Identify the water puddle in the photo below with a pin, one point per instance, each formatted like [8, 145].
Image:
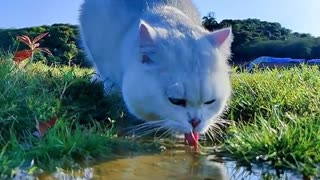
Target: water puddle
[170, 164]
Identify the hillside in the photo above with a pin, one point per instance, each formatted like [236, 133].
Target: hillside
[252, 38]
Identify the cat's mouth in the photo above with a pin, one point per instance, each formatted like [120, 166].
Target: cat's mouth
[192, 139]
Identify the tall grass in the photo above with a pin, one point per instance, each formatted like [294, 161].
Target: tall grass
[276, 117]
[39, 93]
[294, 91]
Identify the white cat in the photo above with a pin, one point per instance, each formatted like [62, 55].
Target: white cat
[169, 69]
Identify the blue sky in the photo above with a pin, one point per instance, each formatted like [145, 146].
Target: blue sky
[298, 15]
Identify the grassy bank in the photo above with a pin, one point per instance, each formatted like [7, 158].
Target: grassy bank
[276, 119]
[84, 127]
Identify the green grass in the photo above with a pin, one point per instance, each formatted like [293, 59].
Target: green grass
[295, 91]
[275, 113]
[276, 117]
[84, 130]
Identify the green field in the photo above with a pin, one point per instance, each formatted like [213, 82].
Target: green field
[274, 118]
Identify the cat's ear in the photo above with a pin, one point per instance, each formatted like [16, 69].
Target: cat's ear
[146, 37]
[221, 38]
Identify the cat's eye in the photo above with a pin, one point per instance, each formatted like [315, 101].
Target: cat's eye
[178, 102]
[210, 102]
[146, 59]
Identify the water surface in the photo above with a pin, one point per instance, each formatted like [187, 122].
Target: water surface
[170, 164]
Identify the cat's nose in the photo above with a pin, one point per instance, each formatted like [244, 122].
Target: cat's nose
[194, 122]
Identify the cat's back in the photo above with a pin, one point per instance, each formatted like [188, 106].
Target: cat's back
[127, 10]
[104, 25]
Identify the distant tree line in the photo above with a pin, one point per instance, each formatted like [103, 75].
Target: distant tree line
[252, 38]
[62, 41]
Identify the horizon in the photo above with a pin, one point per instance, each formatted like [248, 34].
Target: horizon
[45, 12]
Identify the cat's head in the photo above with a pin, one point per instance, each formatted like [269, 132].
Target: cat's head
[180, 79]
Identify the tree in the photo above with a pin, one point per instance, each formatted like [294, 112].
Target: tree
[210, 22]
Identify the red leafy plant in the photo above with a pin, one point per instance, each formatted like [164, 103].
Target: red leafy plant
[34, 46]
[43, 127]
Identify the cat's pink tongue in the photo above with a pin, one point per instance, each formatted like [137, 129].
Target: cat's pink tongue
[192, 139]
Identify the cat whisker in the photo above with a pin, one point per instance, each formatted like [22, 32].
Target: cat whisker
[147, 123]
[210, 135]
[150, 131]
[156, 132]
[146, 128]
[217, 128]
[223, 122]
[216, 132]
[163, 134]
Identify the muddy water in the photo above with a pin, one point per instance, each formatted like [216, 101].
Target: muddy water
[177, 165]
[171, 164]
[167, 165]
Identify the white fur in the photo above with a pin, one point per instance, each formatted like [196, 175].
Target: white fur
[187, 62]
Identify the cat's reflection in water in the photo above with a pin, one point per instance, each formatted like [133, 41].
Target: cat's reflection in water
[164, 166]
[209, 169]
